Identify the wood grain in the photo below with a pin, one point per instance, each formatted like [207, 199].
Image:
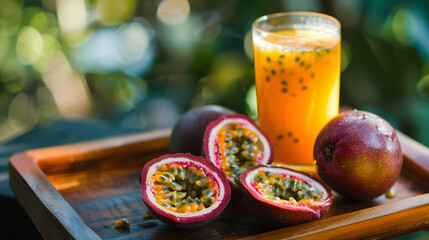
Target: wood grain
[78, 191]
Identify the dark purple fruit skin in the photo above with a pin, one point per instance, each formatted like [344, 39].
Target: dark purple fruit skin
[358, 155]
[184, 222]
[272, 216]
[188, 132]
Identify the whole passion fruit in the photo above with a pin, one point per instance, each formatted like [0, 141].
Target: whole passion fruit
[234, 143]
[358, 155]
[184, 190]
[280, 196]
[188, 132]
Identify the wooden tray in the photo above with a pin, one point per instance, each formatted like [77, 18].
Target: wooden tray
[74, 191]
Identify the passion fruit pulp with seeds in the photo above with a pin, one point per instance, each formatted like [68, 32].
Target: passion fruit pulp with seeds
[184, 190]
[188, 132]
[234, 143]
[280, 196]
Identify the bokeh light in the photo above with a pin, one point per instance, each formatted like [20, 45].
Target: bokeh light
[173, 11]
[29, 46]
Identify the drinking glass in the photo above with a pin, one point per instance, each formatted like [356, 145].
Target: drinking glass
[297, 69]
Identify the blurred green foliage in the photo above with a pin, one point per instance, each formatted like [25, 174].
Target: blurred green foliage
[133, 63]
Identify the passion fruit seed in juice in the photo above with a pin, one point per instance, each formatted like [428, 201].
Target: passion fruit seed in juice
[183, 189]
[283, 189]
[297, 86]
[239, 149]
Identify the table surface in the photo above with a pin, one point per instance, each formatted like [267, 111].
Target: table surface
[14, 222]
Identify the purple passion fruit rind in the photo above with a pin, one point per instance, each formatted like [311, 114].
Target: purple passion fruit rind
[234, 143]
[188, 132]
[280, 196]
[184, 190]
[358, 155]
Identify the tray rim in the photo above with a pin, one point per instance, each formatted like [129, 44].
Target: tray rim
[24, 171]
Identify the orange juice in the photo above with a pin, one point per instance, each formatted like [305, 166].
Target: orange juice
[297, 88]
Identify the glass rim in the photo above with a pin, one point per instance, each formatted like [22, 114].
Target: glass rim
[293, 13]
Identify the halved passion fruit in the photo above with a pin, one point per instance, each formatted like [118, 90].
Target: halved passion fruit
[280, 196]
[234, 144]
[184, 190]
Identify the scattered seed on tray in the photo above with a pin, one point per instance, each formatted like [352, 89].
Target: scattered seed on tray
[297, 59]
[301, 80]
[304, 88]
[284, 90]
[312, 75]
[280, 136]
[295, 140]
[283, 82]
[289, 134]
[122, 223]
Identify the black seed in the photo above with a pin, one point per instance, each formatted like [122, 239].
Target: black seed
[249, 140]
[289, 134]
[267, 78]
[304, 88]
[208, 192]
[282, 71]
[296, 140]
[233, 166]
[286, 183]
[282, 56]
[302, 64]
[276, 144]
[268, 174]
[268, 59]
[283, 82]
[192, 194]
[328, 50]
[239, 132]
[301, 80]
[294, 185]
[280, 62]
[284, 90]
[273, 72]
[280, 136]
[312, 75]
[308, 66]
[297, 59]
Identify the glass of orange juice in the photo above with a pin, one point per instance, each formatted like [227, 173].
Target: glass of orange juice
[297, 69]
